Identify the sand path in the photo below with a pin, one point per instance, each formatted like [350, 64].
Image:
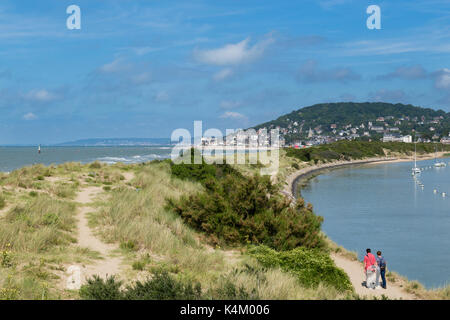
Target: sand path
[355, 272]
[110, 264]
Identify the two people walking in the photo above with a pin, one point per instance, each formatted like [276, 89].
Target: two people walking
[374, 267]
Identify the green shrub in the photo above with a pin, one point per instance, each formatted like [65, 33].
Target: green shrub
[2, 201]
[50, 219]
[33, 194]
[129, 245]
[229, 291]
[95, 165]
[237, 209]
[99, 289]
[310, 266]
[138, 265]
[161, 286]
[201, 172]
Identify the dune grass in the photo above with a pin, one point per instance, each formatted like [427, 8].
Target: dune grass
[416, 288]
[138, 219]
[37, 228]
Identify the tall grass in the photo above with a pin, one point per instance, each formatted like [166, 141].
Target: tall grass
[2, 201]
[416, 288]
[138, 219]
[37, 225]
[139, 215]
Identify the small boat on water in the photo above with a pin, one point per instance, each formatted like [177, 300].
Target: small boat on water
[415, 170]
[437, 163]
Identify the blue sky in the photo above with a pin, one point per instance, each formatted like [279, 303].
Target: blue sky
[144, 68]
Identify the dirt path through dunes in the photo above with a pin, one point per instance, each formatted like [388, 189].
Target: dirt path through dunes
[355, 272]
[109, 264]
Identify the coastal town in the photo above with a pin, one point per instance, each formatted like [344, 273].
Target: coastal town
[299, 134]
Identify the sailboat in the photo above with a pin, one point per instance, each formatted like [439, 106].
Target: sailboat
[415, 170]
[437, 163]
[39, 149]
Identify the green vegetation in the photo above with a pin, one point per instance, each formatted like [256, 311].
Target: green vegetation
[310, 266]
[37, 229]
[162, 286]
[163, 241]
[38, 225]
[345, 113]
[347, 150]
[235, 209]
[2, 201]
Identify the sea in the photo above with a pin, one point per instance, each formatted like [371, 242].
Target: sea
[16, 157]
[384, 207]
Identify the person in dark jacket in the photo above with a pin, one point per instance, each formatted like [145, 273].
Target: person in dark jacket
[382, 265]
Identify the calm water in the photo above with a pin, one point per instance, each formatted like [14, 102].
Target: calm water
[15, 157]
[383, 208]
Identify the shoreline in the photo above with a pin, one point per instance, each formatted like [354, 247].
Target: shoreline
[400, 285]
[294, 178]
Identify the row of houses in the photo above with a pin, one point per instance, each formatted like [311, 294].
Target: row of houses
[395, 137]
[242, 138]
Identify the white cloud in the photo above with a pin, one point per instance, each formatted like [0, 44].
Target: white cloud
[40, 96]
[234, 54]
[232, 115]
[29, 116]
[442, 79]
[223, 74]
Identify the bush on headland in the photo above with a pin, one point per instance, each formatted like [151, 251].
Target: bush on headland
[236, 209]
[311, 266]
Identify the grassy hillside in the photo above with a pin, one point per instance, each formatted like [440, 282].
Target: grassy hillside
[161, 249]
